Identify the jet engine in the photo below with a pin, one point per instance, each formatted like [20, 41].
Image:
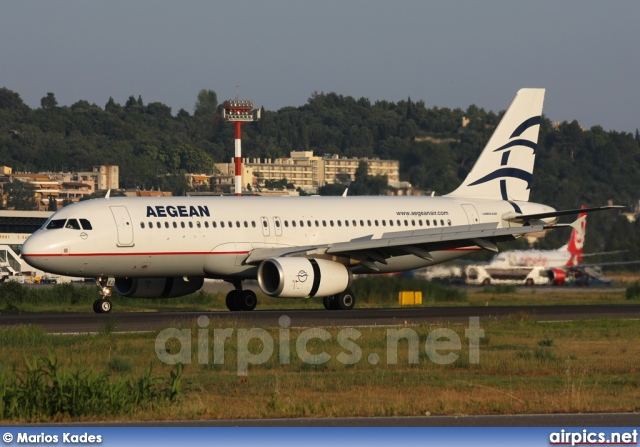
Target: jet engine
[557, 276]
[157, 287]
[301, 277]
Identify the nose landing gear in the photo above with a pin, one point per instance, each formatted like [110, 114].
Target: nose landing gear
[103, 305]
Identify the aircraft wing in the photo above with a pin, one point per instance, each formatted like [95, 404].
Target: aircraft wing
[419, 243]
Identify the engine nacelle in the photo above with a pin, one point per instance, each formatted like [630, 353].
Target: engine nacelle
[157, 287]
[301, 277]
[557, 276]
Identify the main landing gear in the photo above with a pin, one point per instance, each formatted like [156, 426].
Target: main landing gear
[241, 300]
[103, 305]
[341, 301]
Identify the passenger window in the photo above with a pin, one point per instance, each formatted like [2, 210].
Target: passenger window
[237, 224]
[354, 223]
[253, 223]
[264, 224]
[166, 224]
[399, 223]
[346, 223]
[406, 223]
[369, 223]
[293, 223]
[413, 223]
[308, 223]
[317, 224]
[442, 222]
[362, 223]
[190, 224]
[198, 224]
[376, 222]
[214, 224]
[390, 222]
[339, 223]
[324, 223]
[151, 225]
[158, 225]
[206, 224]
[449, 222]
[278, 223]
[427, 222]
[384, 223]
[230, 224]
[331, 222]
[435, 223]
[246, 224]
[420, 222]
[182, 224]
[86, 225]
[175, 224]
[141, 224]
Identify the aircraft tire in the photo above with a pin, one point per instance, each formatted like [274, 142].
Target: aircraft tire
[529, 282]
[248, 300]
[233, 301]
[345, 300]
[102, 306]
[486, 282]
[329, 302]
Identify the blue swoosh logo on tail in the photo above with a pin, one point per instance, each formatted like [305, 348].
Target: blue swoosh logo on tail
[505, 172]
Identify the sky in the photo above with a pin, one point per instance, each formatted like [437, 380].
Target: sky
[448, 53]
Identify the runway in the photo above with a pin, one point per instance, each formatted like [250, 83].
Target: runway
[498, 420]
[148, 321]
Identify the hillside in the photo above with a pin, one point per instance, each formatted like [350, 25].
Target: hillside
[573, 166]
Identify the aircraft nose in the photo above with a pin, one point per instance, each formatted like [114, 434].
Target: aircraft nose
[29, 251]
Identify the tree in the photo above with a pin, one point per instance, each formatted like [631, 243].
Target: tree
[20, 195]
[331, 189]
[207, 103]
[52, 205]
[49, 101]
[10, 99]
[368, 185]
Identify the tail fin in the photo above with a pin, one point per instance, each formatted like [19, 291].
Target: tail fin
[576, 243]
[505, 166]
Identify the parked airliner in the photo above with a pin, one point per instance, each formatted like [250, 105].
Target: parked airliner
[297, 247]
[569, 255]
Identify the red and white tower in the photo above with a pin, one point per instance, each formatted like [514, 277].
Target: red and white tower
[239, 112]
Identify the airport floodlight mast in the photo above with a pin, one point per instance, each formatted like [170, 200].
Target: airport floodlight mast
[239, 112]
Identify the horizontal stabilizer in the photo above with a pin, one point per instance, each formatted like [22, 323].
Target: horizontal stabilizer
[513, 217]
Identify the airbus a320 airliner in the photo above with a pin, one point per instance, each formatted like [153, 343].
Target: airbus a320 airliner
[297, 247]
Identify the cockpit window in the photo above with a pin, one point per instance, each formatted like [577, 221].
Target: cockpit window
[86, 225]
[56, 223]
[73, 224]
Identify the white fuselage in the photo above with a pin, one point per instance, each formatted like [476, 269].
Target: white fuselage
[533, 258]
[212, 236]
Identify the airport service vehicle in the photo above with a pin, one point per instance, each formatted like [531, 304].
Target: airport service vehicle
[587, 275]
[486, 275]
[297, 247]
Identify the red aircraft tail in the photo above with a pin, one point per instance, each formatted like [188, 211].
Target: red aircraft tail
[576, 242]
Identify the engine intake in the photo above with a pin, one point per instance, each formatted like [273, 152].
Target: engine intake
[302, 277]
[157, 287]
